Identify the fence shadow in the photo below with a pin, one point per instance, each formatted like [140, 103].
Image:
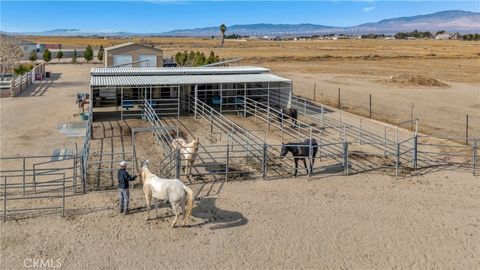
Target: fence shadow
[39, 88]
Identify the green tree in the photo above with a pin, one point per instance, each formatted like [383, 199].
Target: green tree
[100, 53]
[88, 55]
[47, 55]
[223, 29]
[59, 55]
[74, 56]
[22, 69]
[33, 56]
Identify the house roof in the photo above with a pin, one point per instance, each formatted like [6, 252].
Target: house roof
[144, 80]
[129, 44]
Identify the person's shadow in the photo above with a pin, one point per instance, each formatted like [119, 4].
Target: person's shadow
[222, 219]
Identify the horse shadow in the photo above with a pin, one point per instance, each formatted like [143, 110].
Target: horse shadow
[211, 214]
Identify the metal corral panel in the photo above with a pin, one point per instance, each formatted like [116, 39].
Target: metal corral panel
[178, 71]
[182, 80]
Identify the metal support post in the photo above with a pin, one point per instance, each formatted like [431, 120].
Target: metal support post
[23, 176]
[265, 161]
[322, 113]
[177, 163]
[196, 101]
[385, 142]
[4, 199]
[63, 197]
[415, 151]
[227, 161]
[345, 157]
[475, 144]
[397, 160]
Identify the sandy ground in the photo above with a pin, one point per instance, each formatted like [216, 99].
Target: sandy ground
[361, 221]
[29, 123]
[441, 110]
[357, 222]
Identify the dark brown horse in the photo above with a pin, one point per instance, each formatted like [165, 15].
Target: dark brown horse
[301, 151]
[286, 114]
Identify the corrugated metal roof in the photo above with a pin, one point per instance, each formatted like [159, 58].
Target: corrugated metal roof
[177, 70]
[183, 79]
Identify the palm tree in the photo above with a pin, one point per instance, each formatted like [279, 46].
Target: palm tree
[223, 29]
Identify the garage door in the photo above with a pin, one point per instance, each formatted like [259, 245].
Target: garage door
[152, 60]
[122, 59]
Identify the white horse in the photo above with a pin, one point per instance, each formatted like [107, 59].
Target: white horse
[173, 190]
[188, 151]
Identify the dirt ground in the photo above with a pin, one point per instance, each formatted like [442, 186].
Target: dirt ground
[361, 221]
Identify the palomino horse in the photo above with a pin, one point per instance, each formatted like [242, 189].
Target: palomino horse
[301, 151]
[188, 151]
[173, 190]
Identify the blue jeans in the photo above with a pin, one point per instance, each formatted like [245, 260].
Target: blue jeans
[124, 198]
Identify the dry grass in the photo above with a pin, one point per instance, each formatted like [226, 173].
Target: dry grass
[413, 80]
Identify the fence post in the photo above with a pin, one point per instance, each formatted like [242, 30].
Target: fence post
[385, 141]
[310, 155]
[345, 157]
[227, 161]
[34, 180]
[63, 196]
[84, 174]
[23, 176]
[397, 161]
[304, 106]
[265, 161]
[322, 111]
[339, 104]
[4, 199]
[466, 130]
[255, 111]
[360, 131]
[314, 92]
[475, 143]
[415, 149]
[268, 118]
[177, 163]
[211, 123]
[370, 106]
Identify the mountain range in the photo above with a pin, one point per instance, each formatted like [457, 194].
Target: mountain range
[450, 21]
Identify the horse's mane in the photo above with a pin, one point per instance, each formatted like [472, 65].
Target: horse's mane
[178, 143]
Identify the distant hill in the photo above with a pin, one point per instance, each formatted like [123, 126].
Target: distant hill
[450, 21]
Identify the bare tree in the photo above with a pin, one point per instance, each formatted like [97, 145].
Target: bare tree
[10, 54]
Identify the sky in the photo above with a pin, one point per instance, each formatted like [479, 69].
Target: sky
[156, 16]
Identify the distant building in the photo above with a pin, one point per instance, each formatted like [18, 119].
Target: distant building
[445, 36]
[133, 55]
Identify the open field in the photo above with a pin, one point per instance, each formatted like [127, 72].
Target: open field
[357, 67]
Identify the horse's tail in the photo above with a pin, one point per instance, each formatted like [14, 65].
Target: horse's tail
[189, 205]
